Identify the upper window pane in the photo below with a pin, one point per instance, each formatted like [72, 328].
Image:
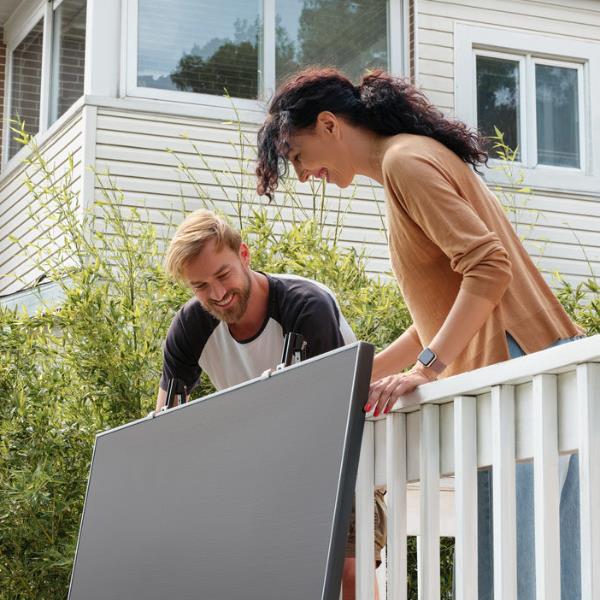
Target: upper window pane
[498, 98]
[25, 83]
[202, 46]
[68, 56]
[557, 109]
[348, 34]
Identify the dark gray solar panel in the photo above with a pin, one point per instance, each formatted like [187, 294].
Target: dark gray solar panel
[242, 495]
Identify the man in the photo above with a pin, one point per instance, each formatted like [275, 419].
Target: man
[234, 327]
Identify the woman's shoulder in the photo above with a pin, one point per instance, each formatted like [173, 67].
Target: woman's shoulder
[413, 155]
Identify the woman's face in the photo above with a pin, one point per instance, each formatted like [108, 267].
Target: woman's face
[322, 152]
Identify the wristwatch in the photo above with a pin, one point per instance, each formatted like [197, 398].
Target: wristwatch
[428, 358]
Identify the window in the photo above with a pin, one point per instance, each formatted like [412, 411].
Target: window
[26, 80]
[505, 96]
[305, 36]
[45, 58]
[199, 46]
[68, 56]
[542, 91]
[248, 46]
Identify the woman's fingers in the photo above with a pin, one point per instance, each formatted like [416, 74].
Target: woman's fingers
[384, 393]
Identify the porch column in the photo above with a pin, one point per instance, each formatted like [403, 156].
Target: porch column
[102, 48]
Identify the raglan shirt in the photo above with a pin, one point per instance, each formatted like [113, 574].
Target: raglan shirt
[447, 232]
[196, 341]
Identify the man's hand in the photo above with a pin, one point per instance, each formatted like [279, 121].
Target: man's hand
[384, 392]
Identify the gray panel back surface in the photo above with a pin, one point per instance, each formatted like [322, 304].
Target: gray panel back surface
[244, 494]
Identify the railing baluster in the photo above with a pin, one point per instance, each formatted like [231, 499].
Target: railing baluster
[546, 487]
[429, 544]
[588, 395]
[503, 485]
[465, 496]
[396, 504]
[365, 525]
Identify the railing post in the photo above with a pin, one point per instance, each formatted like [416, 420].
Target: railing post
[396, 504]
[503, 485]
[546, 487]
[365, 522]
[429, 543]
[588, 396]
[465, 495]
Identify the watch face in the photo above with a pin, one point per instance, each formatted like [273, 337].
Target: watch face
[427, 357]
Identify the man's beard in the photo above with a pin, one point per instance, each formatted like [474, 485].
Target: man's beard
[236, 312]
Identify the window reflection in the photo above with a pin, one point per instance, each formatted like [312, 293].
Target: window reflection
[26, 83]
[348, 34]
[498, 99]
[200, 46]
[557, 109]
[68, 56]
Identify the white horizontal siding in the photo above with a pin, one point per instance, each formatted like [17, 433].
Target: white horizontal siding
[562, 229]
[133, 149]
[16, 204]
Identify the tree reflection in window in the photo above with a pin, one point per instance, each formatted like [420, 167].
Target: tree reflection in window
[348, 34]
[222, 65]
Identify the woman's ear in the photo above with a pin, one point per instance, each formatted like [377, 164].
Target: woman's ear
[328, 123]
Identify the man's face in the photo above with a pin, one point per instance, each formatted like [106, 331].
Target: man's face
[220, 280]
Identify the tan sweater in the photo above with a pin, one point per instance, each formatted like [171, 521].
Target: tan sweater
[448, 231]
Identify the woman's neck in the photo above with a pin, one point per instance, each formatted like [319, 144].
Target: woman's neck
[367, 150]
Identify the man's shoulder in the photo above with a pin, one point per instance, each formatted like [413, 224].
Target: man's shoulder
[192, 319]
[292, 291]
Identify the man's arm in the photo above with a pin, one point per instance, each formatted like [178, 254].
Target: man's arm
[180, 356]
[161, 399]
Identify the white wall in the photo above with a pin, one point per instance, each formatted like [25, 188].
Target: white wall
[132, 146]
[16, 204]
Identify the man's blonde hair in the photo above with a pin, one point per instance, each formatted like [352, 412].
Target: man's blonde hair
[192, 235]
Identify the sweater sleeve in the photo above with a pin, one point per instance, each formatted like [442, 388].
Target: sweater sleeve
[429, 195]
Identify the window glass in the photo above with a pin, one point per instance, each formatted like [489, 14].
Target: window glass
[498, 98]
[348, 34]
[25, 83]
[557, 110]
[68, 56]
[202, 46]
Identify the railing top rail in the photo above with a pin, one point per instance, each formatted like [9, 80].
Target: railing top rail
[520, 370]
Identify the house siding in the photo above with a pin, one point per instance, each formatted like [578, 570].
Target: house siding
[16, 204]
[2, 79]
[561, 229]
[132, 147]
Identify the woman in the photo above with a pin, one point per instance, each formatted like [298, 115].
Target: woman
[468, 282]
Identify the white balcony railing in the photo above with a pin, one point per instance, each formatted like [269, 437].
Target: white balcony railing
[534, 408]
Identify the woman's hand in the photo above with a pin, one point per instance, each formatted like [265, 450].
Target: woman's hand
[384, 392]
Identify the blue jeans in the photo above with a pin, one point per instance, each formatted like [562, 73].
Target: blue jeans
[570, 555]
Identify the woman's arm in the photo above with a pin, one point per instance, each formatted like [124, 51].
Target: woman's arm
[398, 355]
[467, 315]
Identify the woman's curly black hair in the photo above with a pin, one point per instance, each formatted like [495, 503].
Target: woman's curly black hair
[381, 103]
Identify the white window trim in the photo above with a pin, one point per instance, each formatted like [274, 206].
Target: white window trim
[16, 30]
[397, 22]
[510, 43]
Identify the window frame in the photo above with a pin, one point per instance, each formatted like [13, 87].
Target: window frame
[266, 83]
[472, 40]
[18, 26]
[522, 110]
